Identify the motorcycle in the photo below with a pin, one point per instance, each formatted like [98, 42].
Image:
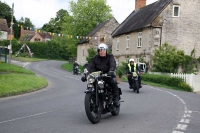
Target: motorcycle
[77, 71]
[99, 98]
[135, 82]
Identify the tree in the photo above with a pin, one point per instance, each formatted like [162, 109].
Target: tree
[91, 53]
[191, 63]
[6, 13]
[86, 15]
[26, 22]
[55, 24]
[168, 59]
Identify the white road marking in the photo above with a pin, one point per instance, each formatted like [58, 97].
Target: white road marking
[71, 77]
[177, 132]
[196, 111]
[24, 64]
[181, 127]
[186, 115]
[185, 121]
[25, 117]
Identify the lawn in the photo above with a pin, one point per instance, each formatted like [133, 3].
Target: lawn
[17, 80]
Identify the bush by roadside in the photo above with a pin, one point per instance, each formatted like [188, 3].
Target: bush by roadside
[167, 80]
[17, 80]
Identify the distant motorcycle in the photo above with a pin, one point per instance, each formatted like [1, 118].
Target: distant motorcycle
[99, 98]
[77, 71]
[135, 85]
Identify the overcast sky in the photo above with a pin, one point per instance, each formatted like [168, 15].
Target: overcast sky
[41, 11]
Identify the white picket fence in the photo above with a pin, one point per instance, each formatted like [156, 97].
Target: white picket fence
[191, 79]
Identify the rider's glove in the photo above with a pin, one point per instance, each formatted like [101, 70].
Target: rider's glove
[111, 73]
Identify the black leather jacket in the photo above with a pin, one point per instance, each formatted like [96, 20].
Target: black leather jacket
[104, 64]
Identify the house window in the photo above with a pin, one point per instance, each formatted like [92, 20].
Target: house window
[176, 11]
[138, 60]
[37, 40]
[127, 59]
[139, 39]
[127, 41]
[102, 38]
[117, 46]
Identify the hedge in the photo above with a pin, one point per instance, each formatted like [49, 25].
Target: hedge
[167, 80]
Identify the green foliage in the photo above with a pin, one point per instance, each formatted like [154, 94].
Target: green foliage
[26, 22]
[87, 14]
[185, 87]
[55, 24]
[91, 53]
[167, 58]
[198, 59]
[6, 13]
[191, 63]
[121, 70]
[166, 80]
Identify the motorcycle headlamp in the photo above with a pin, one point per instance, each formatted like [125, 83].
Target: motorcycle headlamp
[101, 84]
[90, 79]
[134, 74]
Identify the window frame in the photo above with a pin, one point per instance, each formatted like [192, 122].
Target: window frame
[137, 60]
[117, 44]
[173, 12]
[139, 44]
[127, 41]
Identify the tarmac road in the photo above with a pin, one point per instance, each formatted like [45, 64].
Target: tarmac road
[59, 108]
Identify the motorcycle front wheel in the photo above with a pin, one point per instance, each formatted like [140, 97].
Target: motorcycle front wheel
[116, 110]
[136, 87]
[92, 110]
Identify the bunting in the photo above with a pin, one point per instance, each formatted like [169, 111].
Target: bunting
[60, 34]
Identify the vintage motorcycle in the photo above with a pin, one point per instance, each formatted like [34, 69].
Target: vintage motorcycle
[99, 98]
[135, 82]
[77, 71]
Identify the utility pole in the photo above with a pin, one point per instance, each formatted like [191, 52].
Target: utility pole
[11, 25]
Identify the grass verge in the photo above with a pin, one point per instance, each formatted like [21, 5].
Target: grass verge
[15, 83]
[67, 67]
[13, 68]
[16, 80]
[25, 59]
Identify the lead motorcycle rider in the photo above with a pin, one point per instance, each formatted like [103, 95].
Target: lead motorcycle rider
[105, 63]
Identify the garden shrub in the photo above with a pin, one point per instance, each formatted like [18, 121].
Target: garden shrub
[166, 80]
[185, 86]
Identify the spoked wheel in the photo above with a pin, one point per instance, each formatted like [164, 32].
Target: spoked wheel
[93, 112]
[116, 111]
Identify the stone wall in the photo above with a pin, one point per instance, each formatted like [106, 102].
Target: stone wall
[106, 30]
[183, 31]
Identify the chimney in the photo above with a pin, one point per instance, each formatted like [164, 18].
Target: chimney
[139, 4]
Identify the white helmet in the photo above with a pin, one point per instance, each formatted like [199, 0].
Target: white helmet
[102, 46]
[131, 60]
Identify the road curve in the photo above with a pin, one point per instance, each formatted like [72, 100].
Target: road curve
[59, 108]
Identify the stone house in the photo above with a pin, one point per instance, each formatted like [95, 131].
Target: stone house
[33, 36]
[4, 30]
[100, 34]
[149, 26]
